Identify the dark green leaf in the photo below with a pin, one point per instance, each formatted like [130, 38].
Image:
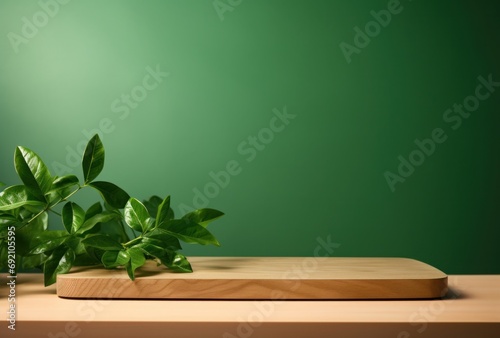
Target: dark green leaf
[103, 242]
[136, 215]
[2, 184]
[94, 209]
[93, 159]
[137, 259]
[73, 217]
[112, 194]
[164, 212]
[27, 237]
[34, 261]
[103, 217]
[162, 239]
[33, 172]
[112, 259]
[188, 232]
[62, 187]
[152, 205]
[203, 216]
[60, 261]
[48, 241]
[17, 196]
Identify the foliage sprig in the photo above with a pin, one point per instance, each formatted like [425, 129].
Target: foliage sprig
[95, 236]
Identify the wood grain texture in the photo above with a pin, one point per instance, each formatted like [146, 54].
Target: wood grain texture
[470, 309]
[274, 278]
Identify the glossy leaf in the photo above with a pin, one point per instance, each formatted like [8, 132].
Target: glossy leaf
[73, 217]
[164, 212]
[137, 260]
[203, 216]
[17, 196]
[93, 210]
[152, 205]
[112, 194]
[62, 187]
[33, 172]
[188, 231]
[136, 215]
[162, 239]
[60, 261]
[28, 236]
[48, 241]
[113, 259]
[93, 159]
[103, 242]
[103, 217]
[179, 263]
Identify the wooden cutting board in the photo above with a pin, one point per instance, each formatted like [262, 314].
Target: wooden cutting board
[263, 278]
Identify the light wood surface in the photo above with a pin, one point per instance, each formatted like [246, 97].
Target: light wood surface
[470, 309]
[263, 278]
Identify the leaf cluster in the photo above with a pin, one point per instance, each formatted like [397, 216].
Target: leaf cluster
[95, 236]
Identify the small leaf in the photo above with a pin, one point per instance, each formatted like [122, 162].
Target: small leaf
[103, 242]
[73, 217]
[103, 217]
[164, 212]
[136, 215]
[93, 159]
[137, 260]
[188, 232]
[179, 264]
[48, 241]
[2, 184]
[17, 196]
[203, 216]
[112, 194]
[60, 261]
[112, 259]
[33, 172]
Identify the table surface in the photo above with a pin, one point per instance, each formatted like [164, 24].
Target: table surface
[472, 306]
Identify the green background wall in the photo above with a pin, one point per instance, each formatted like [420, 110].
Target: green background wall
[231, 68]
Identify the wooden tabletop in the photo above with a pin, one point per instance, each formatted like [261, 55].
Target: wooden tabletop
[470, 309]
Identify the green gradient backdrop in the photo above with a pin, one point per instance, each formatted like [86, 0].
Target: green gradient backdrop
[323, 175]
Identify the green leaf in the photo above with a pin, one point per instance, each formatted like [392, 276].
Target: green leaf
[152, 205]
[164, 213]
[62, 187]
[93, 159]
[94, 209]
[103, 242]
[137, 259]
[48, 241]
[203, 216]
[112, 259]
[112, 194]
[164, 240]
[17, 196]
[188, 231]
[33, 172]
[28, 236]
[60, 261]
[2, 184]
[73, 217]
[103, 217]
[136, 215]
[179, 263]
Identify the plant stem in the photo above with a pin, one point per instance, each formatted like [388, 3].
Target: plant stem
[132, 241]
